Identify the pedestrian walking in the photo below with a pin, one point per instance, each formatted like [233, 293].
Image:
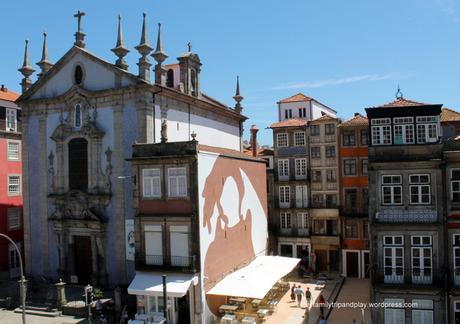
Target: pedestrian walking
[321, 302]
[299, 293]
[292, 292]
[323, 320]
[124, 315]
[308, 296]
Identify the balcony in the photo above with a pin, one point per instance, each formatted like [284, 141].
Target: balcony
[323, 204]
[420, 152]
[409, 276]
[294, 232]
[407, 216]
[331, 162]
[166, 262]
[359, 211]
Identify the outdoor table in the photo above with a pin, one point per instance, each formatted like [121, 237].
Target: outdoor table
[136, 322]
[228, 308]
[237, 300]
[256, 303]
[141, 317]
[262, 313]
[249, 319]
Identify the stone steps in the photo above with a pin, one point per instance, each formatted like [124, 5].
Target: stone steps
[40, 310]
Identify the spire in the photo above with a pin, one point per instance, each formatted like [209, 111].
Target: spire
[399, 94]
[159, 55]
[26, 70]
[44, 63]
[120, 50]
[79, 35]
[144, 49]
[238, 98]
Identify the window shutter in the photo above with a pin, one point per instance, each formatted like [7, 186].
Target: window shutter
[2, 113]
[298, 196]
[18, 115]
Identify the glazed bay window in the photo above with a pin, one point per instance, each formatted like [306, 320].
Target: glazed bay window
[11, 120]
[349, 167]
[391, 190]
[153, 243]
[299, 138]
[427, 129]
[419, 186]
[393, 259]
[285, 220]
[284, 196]
[381, 131]
[14, 185]
[301, 196]
[455, 185]
[315, 152]
[403, 130]
[282, 139]
[422, 264]
[283, 169]
[151, 183]
[300, 168]
[348, 138]
[314, 130]
[456, 254]
[177, 182]
[330, 151]
[14, 149]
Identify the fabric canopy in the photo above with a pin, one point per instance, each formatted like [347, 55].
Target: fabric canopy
[256, 279]
[151, 284]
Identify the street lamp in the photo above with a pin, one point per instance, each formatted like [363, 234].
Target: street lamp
[23, 290]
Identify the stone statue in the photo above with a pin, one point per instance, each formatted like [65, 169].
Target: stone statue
[164, 131]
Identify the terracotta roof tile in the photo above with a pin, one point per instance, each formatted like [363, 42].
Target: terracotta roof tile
[296, 98]
[449, 115]
[261, 151]
[324, 118]
[225, 151]
[8, 95]
[357, 120]
[293, 122]
[402, 102]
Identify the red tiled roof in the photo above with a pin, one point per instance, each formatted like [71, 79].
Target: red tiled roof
[449, 115]
[402, 102]
[8, 95]
[292, 122]
[296, 98]
[357, 120]
[225, 151]
[324, 118]
[262, 151]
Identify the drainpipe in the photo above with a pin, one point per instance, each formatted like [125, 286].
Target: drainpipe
[446, 242]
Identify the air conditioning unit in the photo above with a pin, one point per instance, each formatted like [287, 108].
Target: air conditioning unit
[248, 320]
[228, 319]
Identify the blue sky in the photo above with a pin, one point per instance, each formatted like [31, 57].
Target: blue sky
[347, 54]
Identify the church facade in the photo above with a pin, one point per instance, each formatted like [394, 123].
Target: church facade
[80, 120]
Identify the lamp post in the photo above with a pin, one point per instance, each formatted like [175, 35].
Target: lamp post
[23, 291]
[165, 299]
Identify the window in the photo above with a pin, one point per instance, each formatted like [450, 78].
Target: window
[288, 113]
[330, 151]
[285, 199]
[394, 315]
[331, 201]
[331, 176]
[421, 259]
[349, 167]
[319, 227]
[427, 129]
[301, 196]
[317, 200]
[151, 183]
[193, 82]
[419, 186]
[316, 176]
[299, 138]
[302, 112]
[11, 120]
[316, 152]
[348, 138]
[285, 220]
[455, 185]
[364, 167]
[314, 130]
[153, 236]
[351, 197]
[282, 139]
[365, 199]
[14, 185]
[77, 116]
[381, 131]
[423, 311]
[351, 229]
[403, 130]
[456, 254]
[302, 220]
[365, 229]
[283, 169]
[14, 218]
[300, 168]
[363, 136]
[78, 74]
[391, 190]
[14, 149]
[170, 78]
[14, 262]
[177, 182]
[179, 238]
[329, 129]
[78, 164]
[393, 259]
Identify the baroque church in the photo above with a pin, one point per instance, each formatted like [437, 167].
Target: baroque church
[80, 119]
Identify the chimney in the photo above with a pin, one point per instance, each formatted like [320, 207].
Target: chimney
[3, 89]
[357, 114]
[254, 131]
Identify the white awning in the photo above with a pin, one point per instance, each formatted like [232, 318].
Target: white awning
[256, 279]
[151, 284]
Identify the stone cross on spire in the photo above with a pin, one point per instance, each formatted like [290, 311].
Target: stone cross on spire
[189, 45]
[79, 35]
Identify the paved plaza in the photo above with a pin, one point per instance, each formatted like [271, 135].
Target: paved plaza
[9, 317]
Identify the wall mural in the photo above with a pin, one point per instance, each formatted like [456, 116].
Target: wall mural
[233, 217]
